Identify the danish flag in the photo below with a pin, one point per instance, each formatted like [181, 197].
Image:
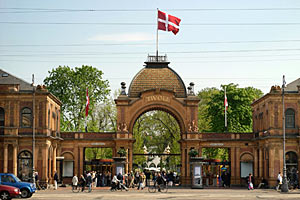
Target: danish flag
[225, 102]
[87, 103]
[168, 22]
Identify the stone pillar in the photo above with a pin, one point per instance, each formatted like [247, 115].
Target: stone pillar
[271, 163]
[238, 166]
[81, 160]
[260, 162]
[5, 164]
[76, 159]
[15, 160]
[45, 163]
[232, 165]
[54, 160]
[127, 161]
[130, 154]
[255, 171]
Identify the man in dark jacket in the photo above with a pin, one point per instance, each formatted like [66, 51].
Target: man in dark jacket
[55, 180]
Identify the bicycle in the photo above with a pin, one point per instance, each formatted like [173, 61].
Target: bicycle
[163, 188]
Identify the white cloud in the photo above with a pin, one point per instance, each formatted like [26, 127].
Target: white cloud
[124, 37]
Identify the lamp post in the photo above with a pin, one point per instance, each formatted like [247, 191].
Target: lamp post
[284, 187]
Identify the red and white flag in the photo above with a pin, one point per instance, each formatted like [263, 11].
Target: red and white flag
[87, 103]
[168, 22]
[225, 102]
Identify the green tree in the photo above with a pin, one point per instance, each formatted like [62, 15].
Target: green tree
[69, 85]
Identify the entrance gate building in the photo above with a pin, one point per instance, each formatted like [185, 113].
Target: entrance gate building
[155, 87]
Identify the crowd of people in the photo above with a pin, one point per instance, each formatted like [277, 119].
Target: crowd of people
[139, 179]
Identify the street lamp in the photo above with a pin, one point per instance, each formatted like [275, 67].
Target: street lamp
[284, 187]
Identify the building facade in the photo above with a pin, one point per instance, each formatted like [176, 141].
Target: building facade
[155, 87]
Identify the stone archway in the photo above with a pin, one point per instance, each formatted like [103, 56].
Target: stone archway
[157, 87]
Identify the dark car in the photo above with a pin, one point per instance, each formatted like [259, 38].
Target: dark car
[8, 192]
[27, 189]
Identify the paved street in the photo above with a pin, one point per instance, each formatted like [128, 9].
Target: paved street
[179, 193]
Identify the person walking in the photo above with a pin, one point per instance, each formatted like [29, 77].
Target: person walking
[89, 181]
[55, 180]
[82, 182]
[37, 181]
[279, 181]
[75, 181]
[250, 184]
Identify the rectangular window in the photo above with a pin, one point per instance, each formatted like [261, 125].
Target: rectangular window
[68, 168]
[246, 169]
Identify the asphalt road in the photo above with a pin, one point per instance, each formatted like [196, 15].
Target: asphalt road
[173, 193]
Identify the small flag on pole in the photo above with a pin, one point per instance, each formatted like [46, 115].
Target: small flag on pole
[87, 103]
[87, 108]
[167, 22]
[225, 107]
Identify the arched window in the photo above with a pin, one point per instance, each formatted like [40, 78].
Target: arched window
[246, 164]
[25, 165]
[291, 160]
[26, 117]
[290, 118]
[2, 120]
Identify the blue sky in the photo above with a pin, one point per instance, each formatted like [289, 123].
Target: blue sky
[247, 53]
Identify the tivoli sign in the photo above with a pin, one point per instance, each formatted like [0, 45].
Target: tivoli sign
[158, 98]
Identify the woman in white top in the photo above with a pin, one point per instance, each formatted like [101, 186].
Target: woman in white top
[75, 181]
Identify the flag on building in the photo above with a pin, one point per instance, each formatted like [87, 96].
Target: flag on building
[167, 22]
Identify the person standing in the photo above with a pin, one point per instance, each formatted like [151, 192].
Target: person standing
[55, 180]
[75, 181]
[279, 181]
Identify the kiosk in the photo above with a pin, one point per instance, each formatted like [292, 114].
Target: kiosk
[196, 164]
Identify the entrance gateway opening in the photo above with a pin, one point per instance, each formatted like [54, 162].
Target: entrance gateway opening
[156, 146]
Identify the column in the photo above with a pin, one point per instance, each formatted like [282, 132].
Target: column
[5, 164]
[130, 154]
[127, 161]
[255, 175]
[54, 160]
[81, 160]
[271, 162]
[260, 162]
[232, 165]
[15, 159]
[45, 162]
[238, 166]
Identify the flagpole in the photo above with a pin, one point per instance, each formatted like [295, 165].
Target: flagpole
[225, 98]
[157, 37]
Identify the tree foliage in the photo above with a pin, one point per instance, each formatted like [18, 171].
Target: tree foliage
[69, 85]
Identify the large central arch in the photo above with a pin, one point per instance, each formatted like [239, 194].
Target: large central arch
[157, 87]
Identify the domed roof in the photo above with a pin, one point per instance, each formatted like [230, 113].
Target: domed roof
[157, 75]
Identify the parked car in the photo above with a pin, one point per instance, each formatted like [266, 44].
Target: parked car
[27, 189]
[8, 192]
